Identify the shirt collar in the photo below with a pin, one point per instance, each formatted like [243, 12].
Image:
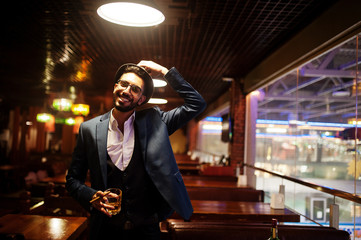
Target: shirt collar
[113, 124]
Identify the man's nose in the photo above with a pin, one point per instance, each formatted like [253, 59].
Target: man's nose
[127, 89]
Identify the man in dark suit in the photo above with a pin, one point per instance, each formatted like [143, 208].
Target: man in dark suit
[131, 150]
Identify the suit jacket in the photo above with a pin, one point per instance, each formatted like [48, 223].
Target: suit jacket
[154, 127]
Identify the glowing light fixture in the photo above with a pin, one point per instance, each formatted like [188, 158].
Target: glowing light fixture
[159, 83]
[131, 13]
[157, 101]
[80, 109]
[62, 104]
[69, 121]
[43, 117]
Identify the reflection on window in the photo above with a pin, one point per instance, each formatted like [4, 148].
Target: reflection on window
[307, 119]
[309, 127]
[209, 143]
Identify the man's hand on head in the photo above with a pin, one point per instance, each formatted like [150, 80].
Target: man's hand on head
[154, 69]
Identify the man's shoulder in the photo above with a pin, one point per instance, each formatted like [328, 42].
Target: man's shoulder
[147, 111]
[96, 119]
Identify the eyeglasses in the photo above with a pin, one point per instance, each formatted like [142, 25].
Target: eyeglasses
[124, 84]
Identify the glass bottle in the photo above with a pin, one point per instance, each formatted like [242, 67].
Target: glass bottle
[274, 231]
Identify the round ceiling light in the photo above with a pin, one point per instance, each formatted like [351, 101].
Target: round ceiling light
[157, 101]
[131, 14]
[159, 83]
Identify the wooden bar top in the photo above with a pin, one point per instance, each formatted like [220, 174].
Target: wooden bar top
[212, 183]
[245, 211]
[43, 227]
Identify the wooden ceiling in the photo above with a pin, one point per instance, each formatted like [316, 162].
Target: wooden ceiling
[50, 45]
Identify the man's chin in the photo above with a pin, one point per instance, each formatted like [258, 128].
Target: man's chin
[124, 109]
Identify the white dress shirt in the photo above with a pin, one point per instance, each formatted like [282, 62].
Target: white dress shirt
[121, 146]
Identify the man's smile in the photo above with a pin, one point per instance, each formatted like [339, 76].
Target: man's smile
[123, 98]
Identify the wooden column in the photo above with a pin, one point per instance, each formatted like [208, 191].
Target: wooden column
[15, 136]
[40, 137]
[22, 145]
[68, 140]
[237, 111]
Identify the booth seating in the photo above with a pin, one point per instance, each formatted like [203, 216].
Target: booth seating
[187, 166]
[15, 204]
[180, 230]
[211, 178]
[224, 194]
[185, 160]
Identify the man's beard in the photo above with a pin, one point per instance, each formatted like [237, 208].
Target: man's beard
[121, 108]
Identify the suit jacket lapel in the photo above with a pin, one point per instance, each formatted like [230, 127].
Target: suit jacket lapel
[101, 138]
[140, 124]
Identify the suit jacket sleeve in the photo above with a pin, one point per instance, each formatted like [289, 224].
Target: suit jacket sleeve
[193, 105]
[156, 126]
[77, 173]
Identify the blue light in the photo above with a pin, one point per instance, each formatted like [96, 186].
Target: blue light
[265, 121]
[213, 119]
[275, 135]
[319, 124]
[323, 124]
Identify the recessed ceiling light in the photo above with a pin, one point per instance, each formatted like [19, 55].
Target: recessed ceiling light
[159, 83]
[157, 101]
[131, 14]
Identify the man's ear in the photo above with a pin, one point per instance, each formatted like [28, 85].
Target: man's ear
[141, 100]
